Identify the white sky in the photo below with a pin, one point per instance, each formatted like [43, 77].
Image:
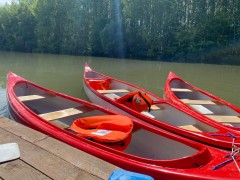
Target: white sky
[3, 2]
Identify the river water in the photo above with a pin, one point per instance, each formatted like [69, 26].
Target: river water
[65, 74]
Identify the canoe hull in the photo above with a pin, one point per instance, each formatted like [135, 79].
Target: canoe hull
[158, 169]
[157, 120]
[203, 100]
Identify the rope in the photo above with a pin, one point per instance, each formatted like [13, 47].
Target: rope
[221, 164]
[225, 135]
[234, 152]
[236, 163]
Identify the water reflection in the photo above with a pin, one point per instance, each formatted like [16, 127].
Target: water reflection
[3, 103]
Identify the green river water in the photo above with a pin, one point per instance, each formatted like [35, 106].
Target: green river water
[65, 74]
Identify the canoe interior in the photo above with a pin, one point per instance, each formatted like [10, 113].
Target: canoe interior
[204, 104]
[162, 112]
[144, 143]
[149, 145]
[175, 117]
[52, 103]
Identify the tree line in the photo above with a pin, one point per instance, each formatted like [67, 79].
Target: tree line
[201, 31]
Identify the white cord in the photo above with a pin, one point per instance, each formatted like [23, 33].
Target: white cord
[235, 151]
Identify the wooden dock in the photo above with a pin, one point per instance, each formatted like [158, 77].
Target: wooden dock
[43, 157]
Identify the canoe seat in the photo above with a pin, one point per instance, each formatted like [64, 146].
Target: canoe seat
[60, 114]
[147, 114]
[154, 107]
[113, 91]
[203, 102]
[225, 119]
[181, 90]
[31, 97]
[112, 96]
[60, 124]
[201, 109]
[191, 128]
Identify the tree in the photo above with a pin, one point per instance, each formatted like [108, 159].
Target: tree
[167, 30]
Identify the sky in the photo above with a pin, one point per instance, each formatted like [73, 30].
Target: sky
[3, 2]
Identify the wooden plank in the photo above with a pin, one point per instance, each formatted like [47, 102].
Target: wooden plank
[181, 90]
[225, 119]
[147, 114]
[113, 91]
[200, 108]
[202, 102]
[190, 128]
[30, 97]
[60, 114]
[20, 130]
[154, 107]
[97, 169]
[112, 96]
[20, 170]
[80, 159]
[60, 124]
[49, 164]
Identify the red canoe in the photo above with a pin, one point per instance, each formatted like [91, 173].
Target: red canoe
[201, 102]
[150, 150]
[107, 91]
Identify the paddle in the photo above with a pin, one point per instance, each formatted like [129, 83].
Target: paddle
[9, 152]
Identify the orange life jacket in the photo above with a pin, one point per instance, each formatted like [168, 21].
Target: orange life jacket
[99, 84]
[136, 100]
[104, 129]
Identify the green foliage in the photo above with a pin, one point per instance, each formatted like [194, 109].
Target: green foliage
[205, 31]
[17, 27]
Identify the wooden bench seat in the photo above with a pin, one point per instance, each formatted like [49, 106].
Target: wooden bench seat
[200, 108]
[225, 119]
[147, 114]
[34, 97]
[113, 91]
[191, 128]
[60, 124]
[181, 90]
[154, 107]
[55, 116]
[112, 96]
[60, 114]
[202, 102]
[30, 97]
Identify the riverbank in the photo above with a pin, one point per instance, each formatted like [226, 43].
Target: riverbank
[42, 157]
